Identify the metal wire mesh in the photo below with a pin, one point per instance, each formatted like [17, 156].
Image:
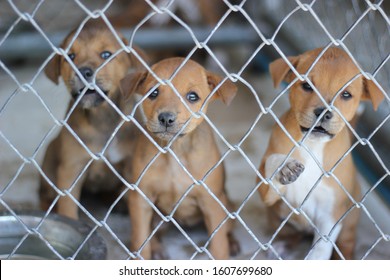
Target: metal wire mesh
[267, 40]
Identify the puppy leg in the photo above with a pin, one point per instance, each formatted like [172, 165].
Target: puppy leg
[49, 166]
[234, 245]
[288, 237]
[347, 239]
[141, 215]
[157, 248]
[214, 215]
[67, 174]
[322, 249]
[158, 252]
[287, 175]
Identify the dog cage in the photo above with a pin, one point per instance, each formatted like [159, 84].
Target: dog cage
[238, 39]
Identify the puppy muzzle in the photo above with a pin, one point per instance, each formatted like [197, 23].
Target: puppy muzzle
[317, 131]
[90, 97]
[166, 126]
[323, 127]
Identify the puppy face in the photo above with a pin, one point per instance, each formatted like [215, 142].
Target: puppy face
[94, 45]
[329, 75]
[163, 112]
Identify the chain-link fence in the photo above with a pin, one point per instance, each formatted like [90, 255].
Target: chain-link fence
[235, 39]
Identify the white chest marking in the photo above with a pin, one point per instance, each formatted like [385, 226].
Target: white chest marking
[315, 198]
[113, 152]
[297, 192]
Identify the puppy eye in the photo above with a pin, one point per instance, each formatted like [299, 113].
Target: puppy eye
[346, 95]
[72, 56]
[307, 87]
[105, 54]
[192, 97]
[153, 95]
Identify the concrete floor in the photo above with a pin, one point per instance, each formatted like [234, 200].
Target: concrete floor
[25, 120]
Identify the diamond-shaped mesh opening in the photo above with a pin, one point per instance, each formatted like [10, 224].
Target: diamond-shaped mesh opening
[16, 187]
[13, 159]
[376, 240]
[237, 40]
[27, 117]
[11, 49]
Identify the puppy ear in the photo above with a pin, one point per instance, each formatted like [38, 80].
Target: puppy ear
[227, 91]
[53, 70]
[372, 92]
[280, 71]
[130, 83]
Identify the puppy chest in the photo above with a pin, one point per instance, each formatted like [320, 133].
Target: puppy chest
[186, 208]
[310, 191]
[114, 153]
[100, 178]
[172, 184]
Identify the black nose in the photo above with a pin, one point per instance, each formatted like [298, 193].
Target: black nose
[86, 72]
[167, 119]
[327, 116]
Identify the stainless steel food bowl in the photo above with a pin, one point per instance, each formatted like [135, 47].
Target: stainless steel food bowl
[56, 237]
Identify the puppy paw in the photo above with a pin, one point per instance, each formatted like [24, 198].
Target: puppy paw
[158, 252]
[290, 172]
[159, 255]
[234, 245]
[279, 251]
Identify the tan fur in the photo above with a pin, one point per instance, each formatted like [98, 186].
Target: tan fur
[165, 181]
[330, 74]
[93, 119]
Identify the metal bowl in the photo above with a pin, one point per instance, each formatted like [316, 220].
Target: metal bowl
[57, 237]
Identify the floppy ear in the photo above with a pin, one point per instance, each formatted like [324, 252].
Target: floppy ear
[53, 70]
[372, 92]
[280, 71]
[130, 83]
[227, 91]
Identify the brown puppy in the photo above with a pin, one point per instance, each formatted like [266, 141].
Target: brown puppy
[93, 119]
[301, 179]
[165, 181]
